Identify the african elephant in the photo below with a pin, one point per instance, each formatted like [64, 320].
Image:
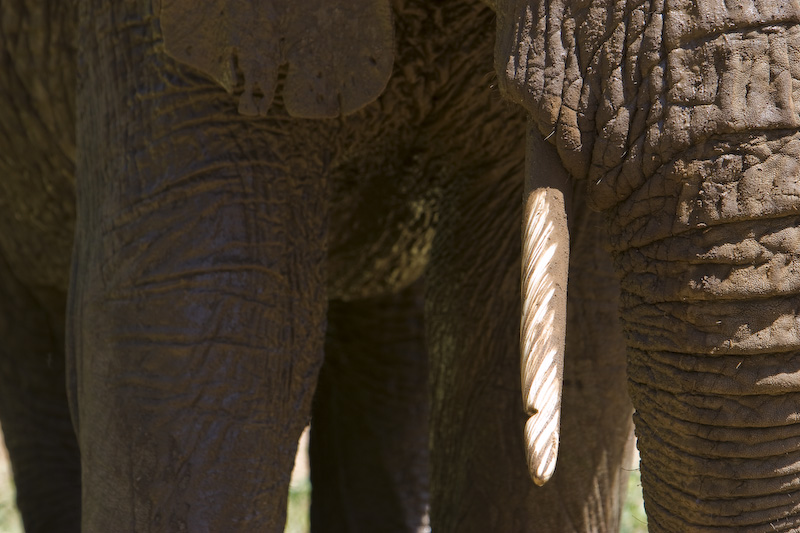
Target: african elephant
[206, 246]
[215, 253]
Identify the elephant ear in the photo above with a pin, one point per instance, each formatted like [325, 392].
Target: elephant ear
[339, 52]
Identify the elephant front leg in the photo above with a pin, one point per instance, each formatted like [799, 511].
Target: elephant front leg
[479, 481]
[33, 407]
[197, 307]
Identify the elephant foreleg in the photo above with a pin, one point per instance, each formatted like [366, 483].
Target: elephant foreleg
[199, 295]
[33, 408]
[369, 431]
[479, 481]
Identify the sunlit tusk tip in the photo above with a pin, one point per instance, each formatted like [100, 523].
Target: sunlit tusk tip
[542, 455]
[541, 473]
[540, 481]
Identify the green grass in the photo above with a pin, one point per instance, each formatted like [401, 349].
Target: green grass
[633, 518]
[9, 517]
[297, 512]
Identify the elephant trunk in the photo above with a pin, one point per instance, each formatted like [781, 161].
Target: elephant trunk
[710, 308]
[545, 260]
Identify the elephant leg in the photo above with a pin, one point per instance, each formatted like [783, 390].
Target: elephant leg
[196, 314]
[37, 80]
[479, 479]
[33, 408]
[369, 431]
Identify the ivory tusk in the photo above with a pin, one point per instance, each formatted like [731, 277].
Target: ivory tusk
[545, 260]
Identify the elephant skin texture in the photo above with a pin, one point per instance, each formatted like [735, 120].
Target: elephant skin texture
[216, 256]
[208, 244]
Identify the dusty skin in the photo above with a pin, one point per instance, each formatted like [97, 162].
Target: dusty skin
[243, 211]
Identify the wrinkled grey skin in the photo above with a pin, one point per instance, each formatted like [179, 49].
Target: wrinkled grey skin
[207, 245]
[217, 257]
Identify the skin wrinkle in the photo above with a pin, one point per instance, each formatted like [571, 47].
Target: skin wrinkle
[157, 287]
[771, 506]
[742, 243]
[734, 374]
[658, 229]
[699, 437]
[687, 407]
[715, 282]
[718, 483]
[725, 523]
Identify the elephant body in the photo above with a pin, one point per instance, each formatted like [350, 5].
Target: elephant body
[250, 200]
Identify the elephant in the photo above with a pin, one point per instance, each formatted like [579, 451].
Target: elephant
[191, 270]
[238, 165]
